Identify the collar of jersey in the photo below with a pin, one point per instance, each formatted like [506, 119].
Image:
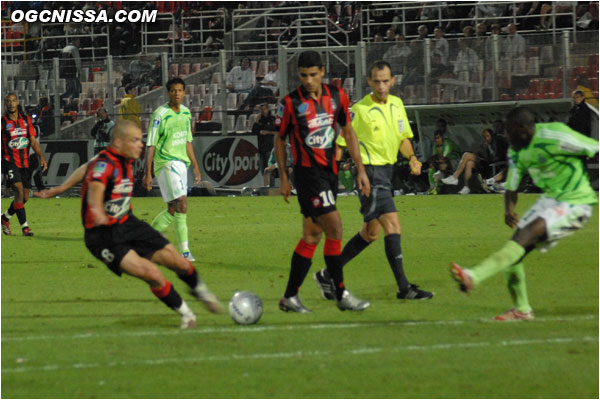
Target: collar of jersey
[306, 95]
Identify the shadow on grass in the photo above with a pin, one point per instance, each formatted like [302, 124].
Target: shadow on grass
[59, 238]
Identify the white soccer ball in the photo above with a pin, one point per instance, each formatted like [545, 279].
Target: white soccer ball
[245, 308]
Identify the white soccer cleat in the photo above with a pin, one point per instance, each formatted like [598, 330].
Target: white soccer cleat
[202, 293]
[464, 190]
[515, 315]
[451, 180]
[188, 321]
[188, 256]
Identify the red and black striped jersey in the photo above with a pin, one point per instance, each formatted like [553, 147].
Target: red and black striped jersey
[116, 173]
[16, 140]
[311, 125]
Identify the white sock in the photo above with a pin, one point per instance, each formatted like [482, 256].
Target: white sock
[184, 247]
[184, 309]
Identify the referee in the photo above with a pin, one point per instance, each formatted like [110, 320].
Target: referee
[382, 129]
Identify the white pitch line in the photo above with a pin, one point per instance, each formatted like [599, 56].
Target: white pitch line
[297, 354]
[266, 328]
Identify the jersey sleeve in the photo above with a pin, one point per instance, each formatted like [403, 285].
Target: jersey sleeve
[356, 120]
[515, 171]
[190, 136]
[153, 129]
[343, 117]
[100, 170]
[283, 119]
[576, 144]
[30, 128]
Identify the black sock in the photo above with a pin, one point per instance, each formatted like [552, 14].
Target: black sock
[334, 269]
[300, 267]
[168, 295]
[11, 211]
[190, 278]
[393, 251]
[22, 216]
[353, 248]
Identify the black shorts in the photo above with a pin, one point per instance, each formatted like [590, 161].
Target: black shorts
[381, 200]
[109, 244]
[317, 191]
[14, 174]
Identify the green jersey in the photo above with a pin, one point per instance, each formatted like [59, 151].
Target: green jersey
[552, 160]
[169, 133]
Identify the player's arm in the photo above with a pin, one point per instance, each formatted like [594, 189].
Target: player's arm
[577, 144]
[36, 147]
[151, 140]
[73, 180]
[284, 188]
[510, 201]
[190, 152]
[352, 145]
[95, 199]
[406, 149]
[148, 174]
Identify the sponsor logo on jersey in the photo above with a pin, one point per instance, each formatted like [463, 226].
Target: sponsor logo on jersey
[19, 143]
[17, 132]
[231, 161]
[321, 134]
[126, 186]
[9, 125]
[99, 169]
[116, 208]
[302, 109]
[280, 110]
[156, 122]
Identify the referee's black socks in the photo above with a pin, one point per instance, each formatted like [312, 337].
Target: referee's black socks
[393, 251]
[353, 248]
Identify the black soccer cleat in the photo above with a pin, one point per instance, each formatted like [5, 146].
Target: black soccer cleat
[27, 231]
[325, 284]
[414, 293]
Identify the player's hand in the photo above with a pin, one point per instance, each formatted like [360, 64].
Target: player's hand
[46, 193]
[99, 216]
[148, 181]
[415, 166]
[511, 219]
[197, 176]
[44, 164]
[285, 189]
[363, 183]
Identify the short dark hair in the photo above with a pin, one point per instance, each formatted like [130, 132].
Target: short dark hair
[310, 58]
[521, 116]
[379, 64]
[174, 81]
[579, 92]
[129, 87]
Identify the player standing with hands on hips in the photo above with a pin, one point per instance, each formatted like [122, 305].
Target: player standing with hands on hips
[551, 154]
[308, 116]
[382, 129]
[169, 145]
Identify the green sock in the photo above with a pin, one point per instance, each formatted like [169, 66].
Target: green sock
[430, 173]
[499, 261]
[181, 231]
[515, 280]
[162, 221]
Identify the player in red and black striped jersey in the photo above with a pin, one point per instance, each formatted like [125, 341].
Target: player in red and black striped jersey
[309, 116]
[123, 242]
[18, 137]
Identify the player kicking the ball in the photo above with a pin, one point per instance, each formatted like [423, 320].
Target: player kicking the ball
[123, 242]
[550, 153]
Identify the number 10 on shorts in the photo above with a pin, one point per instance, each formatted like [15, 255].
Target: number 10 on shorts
[328, 198]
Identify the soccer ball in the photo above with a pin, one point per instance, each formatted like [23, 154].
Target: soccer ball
[245, 308]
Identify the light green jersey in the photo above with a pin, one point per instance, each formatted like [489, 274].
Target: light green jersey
[551, 159]
[380, 129]
[169, 133]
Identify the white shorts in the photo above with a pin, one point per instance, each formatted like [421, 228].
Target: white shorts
[562, 219]
[172, 180]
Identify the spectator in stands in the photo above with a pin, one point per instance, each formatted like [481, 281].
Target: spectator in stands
[581, 114]
[241, 78]
[264, 129]
[445, 153]
[492, 150]
[488, 12]
[546, 11]
[378, 38]
[489, 44]
[468, 32]
[467, 62]
[479, 39]
[156, 73]
[440, 45]
[514, 45]
[390, 35]
[139, 66]
[70, 68]
[101, 130]
[130, 108]
[265, 88]
[397, 55]
[45, 118]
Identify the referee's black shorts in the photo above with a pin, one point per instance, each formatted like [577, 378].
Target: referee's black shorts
[317, 191]
[381, 200]
[110, 244]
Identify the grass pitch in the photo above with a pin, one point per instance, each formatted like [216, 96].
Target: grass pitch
[72, 329]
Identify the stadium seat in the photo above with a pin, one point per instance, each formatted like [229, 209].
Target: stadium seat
[201, 90]
[190, 89]
[196, 67]
[594, 84]
[206, 114]
[11, 86]
[547, 55]
[504, 97]
[85, 104]
[593, 59]
[240, 124]
[263, 68]
[251, 120]
[215, 78]
[230, 123]
[242, 98]
[144, 90]
[184, 69]
[20, 86]
[85, 74]
[96, 104]
[31, 85]
[534, 87]
[44, 74]
[197, 100]
[336, 82]
[254, 65]
[208, 100]
[173, 70]
[213, 89]
[231, 101]
[533, 66]
[186, 100]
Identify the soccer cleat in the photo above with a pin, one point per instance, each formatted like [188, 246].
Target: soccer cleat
[202, 293]
[490, 181]
[325, 285]
[352, 303]
[292, 304]
[414, 293]
[462, 276]
[188, 321]
[483, 183]
[5, 225]
[464, 190]
[27, 231]
[515, 315]
[451, 180]
[188, 256]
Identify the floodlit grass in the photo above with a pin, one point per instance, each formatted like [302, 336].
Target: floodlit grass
[72, 329]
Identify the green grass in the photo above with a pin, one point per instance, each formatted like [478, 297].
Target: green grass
[72, 329]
